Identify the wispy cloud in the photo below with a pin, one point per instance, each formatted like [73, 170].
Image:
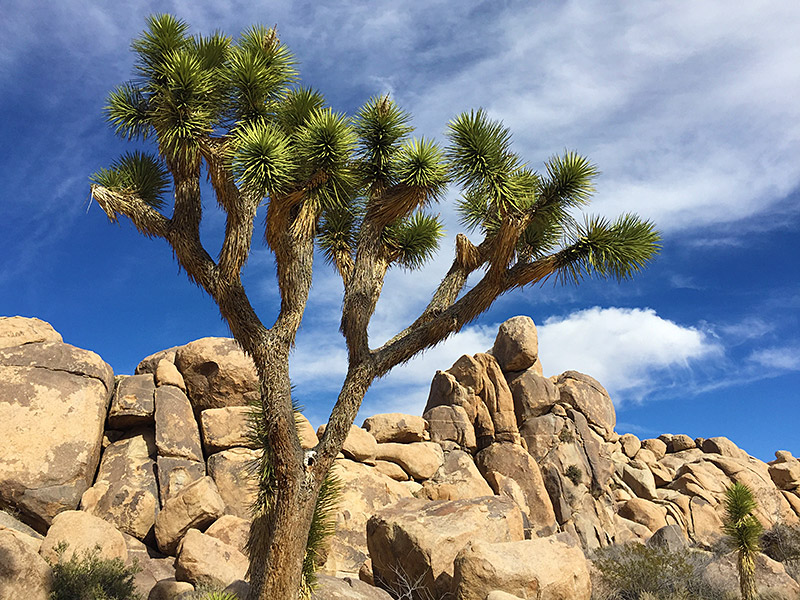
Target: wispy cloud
[777, 359]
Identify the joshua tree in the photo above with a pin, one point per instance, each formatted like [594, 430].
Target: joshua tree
[744, 533]
[357, 188]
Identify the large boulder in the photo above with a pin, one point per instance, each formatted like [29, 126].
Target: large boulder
[16, 331]
[224, 428]
[196, 506]
[217, 373]
[231, 530]
[174, 474]
[83, 532]
[772, 581]
[516, 346]
[396, 427]
[132, 403]
[53, 407]
[348, 588]
[364, 491]
[586, 395]
[450, 423]
[505, 460]
[415, 540]
[544, 568]
[457, 479]
[23, 573]
[359, 445]
[785, 471]
[177, 433]
[125, 492]
[419, 459]
[204, 560]
[232, 471]
[534, 395]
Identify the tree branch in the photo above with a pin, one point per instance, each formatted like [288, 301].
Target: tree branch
[145, 218]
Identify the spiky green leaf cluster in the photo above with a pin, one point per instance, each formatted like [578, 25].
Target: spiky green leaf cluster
[381, 127]
[413, 241]
[263, 160]
[739, 523]
[337, 232]
[482, 162]
[420, 164]
[613, 249]
[137, 173]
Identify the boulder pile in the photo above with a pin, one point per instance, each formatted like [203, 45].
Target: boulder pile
[499, 490]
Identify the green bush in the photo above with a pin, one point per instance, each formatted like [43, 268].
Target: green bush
[638, 572]
[574, 474]
[89, 576]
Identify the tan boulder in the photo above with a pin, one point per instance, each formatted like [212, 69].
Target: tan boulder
[418, 540]
[457, 479]
[170, 589]
[647, 513]
[226, 427]
[23, 573]
[217, 373]
[723, 446]
[125, 491]
[232, 472]
[396, 427]
[533, 395]
[630, 444]
[154, 566]
[359, 445]
[586, 395]
[174, 474]
[231, 530]
[305, 431]
[177, 433]
[149, 364]
[500, 595]
[451, 423]
[16, 331]
[656, 446]
[516, 346]
[392, 470]
[364, 492]
[772, 581]
[785, 472]
[419, 459]
[640, 479]
[348, 588]
[53, 412]
[680, 442]
[167, 374]
[82, 531]
[544, 568]
[196, 506]
[204, 560]
[511, 461]
[132, 403]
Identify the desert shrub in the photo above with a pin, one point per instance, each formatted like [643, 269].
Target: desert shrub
[782, 543]
[574, 474]
[638, 572]
[89, 576]
[566, 436]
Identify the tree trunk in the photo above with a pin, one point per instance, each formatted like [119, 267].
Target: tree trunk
[278, 572]
[747, 576]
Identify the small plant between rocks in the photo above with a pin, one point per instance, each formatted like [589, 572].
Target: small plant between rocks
[574, 474]
[89, 576]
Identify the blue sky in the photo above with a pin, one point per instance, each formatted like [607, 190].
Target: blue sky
[690, 110]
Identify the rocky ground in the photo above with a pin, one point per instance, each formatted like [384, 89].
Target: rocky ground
[499, 491]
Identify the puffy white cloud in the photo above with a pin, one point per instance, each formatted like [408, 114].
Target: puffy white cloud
[629, 350]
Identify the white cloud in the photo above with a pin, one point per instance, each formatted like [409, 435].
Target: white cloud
[626, 349]
[786, 358]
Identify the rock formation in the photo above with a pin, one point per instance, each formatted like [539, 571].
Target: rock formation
[504, 465]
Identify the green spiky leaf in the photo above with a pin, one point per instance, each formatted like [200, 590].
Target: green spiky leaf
[296, 109]
[128, 111]
[414, 240]
[614, 250]
[164, 35]
[262, 161]
[420, 163]
[137, 173]
[381, 127]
